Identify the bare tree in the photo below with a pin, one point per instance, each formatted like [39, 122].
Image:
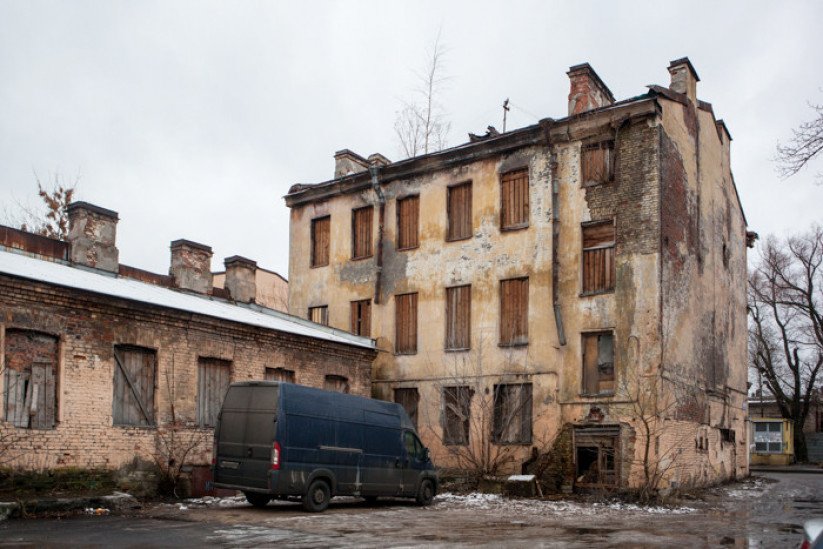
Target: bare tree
[50, 217]
[806, 144]
[785, 297]
[421, 126]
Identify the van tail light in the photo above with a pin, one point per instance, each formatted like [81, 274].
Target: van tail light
[275, 456]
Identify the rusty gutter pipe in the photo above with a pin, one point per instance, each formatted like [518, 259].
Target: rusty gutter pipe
[558, 313]
[374, 171]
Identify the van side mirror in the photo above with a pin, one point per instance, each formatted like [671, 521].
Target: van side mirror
[426, 454]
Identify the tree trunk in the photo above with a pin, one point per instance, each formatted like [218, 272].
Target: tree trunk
[801, 454]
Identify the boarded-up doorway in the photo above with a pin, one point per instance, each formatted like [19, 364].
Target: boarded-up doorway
[597, 457]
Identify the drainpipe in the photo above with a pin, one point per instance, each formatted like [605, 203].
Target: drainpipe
[558, 317]
[381, 201]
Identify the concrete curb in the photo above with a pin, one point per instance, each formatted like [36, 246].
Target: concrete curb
[114, 502]
[798, 470]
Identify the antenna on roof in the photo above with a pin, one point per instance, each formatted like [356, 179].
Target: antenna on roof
[505, 111]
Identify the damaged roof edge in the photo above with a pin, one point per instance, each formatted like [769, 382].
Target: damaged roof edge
[467, 152]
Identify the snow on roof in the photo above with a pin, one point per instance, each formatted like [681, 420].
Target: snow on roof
[50, 272]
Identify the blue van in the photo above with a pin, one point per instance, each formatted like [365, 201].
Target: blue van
[275, 439]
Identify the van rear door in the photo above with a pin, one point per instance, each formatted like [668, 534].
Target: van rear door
[245, 434]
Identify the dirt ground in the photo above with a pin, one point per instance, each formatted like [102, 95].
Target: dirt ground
[766, 511]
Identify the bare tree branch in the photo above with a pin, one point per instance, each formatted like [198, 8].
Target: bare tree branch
[806, 144]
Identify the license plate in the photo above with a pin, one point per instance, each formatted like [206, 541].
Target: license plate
[229, 464]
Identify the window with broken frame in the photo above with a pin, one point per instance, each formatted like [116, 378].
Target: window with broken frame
[30, 379]
[405, 324]
[320, 241]
[456, 414]
[459, 212]
[514, 200]
[336, 383]
[512, 413]
[598, 363]
[213, 379]
[597, 163]
[135, 370]
[408, 222]
[514, 311]
[361, 232]
[458, 318]
[279, 374]
[361, 317]
[409, 399]
[598, 257]
[319, 314]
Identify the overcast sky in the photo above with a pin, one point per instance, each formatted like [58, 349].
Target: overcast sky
[192, 119]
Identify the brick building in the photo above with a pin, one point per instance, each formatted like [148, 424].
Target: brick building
[99, 360]
[574, 288]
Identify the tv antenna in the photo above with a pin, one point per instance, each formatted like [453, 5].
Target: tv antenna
[505, 111]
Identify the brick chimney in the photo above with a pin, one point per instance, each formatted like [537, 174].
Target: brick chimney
[378, 159]
[92, 236]
[587, 91]
[347, 162]
[240, 278]
[191, 266]
[684, 78]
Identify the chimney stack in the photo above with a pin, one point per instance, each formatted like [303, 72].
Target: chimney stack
[92, 236]
[240, 278]
[191, 266]
[347, 162]
[684, 78]
[587, 91]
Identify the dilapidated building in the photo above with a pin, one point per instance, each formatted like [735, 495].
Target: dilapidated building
[106, 366]
[567, 297]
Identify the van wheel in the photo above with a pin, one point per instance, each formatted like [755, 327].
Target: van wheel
[425, 494]
[317, 496]
[258, 500]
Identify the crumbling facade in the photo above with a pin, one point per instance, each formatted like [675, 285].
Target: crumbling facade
[579, 281]
[102, 362]
[271, 290]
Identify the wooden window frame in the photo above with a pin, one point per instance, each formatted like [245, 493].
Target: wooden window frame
[313, 262]
[608, 146]
[278, 373]
[401, 246]
[415, 412]
[457, 396]
[330, 379]
[202, 363]
[514, 340]
[319, 307]
[588, 384]
[510, 178]
[450, 237]
[151, 422]
[359, 317]
[523, 413]
[592, 253]
[452, 338]
[356, 236]
[42, 415]
[410, 349]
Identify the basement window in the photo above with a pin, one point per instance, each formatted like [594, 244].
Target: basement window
[598, 257]
[30, 379]
[408, 222]
[134, 379]
[458, 318]
[320, 235]
[514, 312]
[336, 383]
[361, 317]
[409, 399]
[459, 212]
[512, 413]
[319, 314]
[405, 324]
[456, 415]
[598, 363]
[213, 378]
[514, 200]
[597, 163]
[361, 223]
[279, 374]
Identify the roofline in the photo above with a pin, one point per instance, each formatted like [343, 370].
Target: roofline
[259, 268]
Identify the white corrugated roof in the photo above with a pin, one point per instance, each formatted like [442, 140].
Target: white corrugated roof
[49, 272]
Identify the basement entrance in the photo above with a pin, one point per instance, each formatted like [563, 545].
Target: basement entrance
[596, 456]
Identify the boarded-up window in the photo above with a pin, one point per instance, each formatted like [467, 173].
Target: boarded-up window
[598, 363]
[319, 314]
[405, 322]
[512, 413]
[361, 229]
[598, 257]
[514, 311]
[336, 383]
[280, 374]
[597, 163]
[134, 378]
[456, 414]
[514, 194]
[458, 317]
[361, 317]
[30, 379]
[460, 212]
[409, 399]
[408, 222]
[320, 235]
[213, 378]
